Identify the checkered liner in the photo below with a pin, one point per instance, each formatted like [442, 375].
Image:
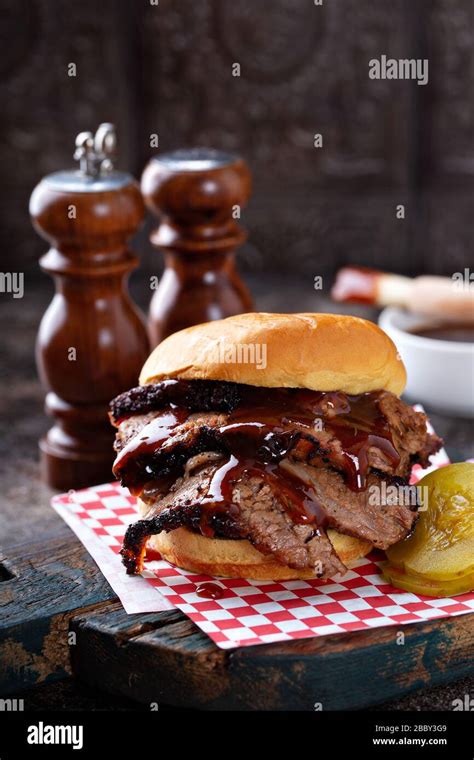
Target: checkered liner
[248, 612]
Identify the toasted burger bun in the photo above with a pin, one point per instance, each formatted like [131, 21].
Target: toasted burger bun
[321, 352]
[239, 559]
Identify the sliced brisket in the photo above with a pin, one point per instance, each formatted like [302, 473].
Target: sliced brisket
[195, 395]
[316, 435]
[260, 517]
[409, 431]
[366, 514]
[320, 448]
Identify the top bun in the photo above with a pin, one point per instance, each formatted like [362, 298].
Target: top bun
[321, 352]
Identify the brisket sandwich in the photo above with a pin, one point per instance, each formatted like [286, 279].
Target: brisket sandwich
[269, 469]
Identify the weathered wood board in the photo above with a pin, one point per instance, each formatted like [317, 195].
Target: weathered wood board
[51, 591]
[43, 586]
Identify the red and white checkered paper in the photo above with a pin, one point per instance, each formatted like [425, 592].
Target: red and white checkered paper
[249, 612]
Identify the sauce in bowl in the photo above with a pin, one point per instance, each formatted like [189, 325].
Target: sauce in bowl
[455, 332]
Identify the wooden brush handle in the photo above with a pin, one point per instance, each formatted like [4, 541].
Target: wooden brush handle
[440, 297]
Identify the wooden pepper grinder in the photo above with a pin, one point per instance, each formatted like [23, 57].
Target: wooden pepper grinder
[198, 193]
[92, 340]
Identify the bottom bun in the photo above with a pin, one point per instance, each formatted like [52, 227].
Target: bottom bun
[240, 559]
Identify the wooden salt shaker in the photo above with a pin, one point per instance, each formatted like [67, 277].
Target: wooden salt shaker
[198, 193]
[92, 340]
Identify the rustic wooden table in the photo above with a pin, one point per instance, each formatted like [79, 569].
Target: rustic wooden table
[52, 569]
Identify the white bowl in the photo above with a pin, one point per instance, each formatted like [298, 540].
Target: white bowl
[440, 372]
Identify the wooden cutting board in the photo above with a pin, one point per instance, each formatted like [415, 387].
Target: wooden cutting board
[60, 618]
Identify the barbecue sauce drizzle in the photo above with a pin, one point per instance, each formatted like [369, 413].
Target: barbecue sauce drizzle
[210, 590]
[259, 433]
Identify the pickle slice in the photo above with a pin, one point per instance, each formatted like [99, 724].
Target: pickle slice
[441, 548]
[426, 586]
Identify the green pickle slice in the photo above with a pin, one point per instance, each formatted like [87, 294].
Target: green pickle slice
[438, 558]
[426, 587]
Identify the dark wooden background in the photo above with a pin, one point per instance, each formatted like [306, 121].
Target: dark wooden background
[167, 69]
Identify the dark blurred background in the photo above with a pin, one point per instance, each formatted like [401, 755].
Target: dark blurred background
[167, 69]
